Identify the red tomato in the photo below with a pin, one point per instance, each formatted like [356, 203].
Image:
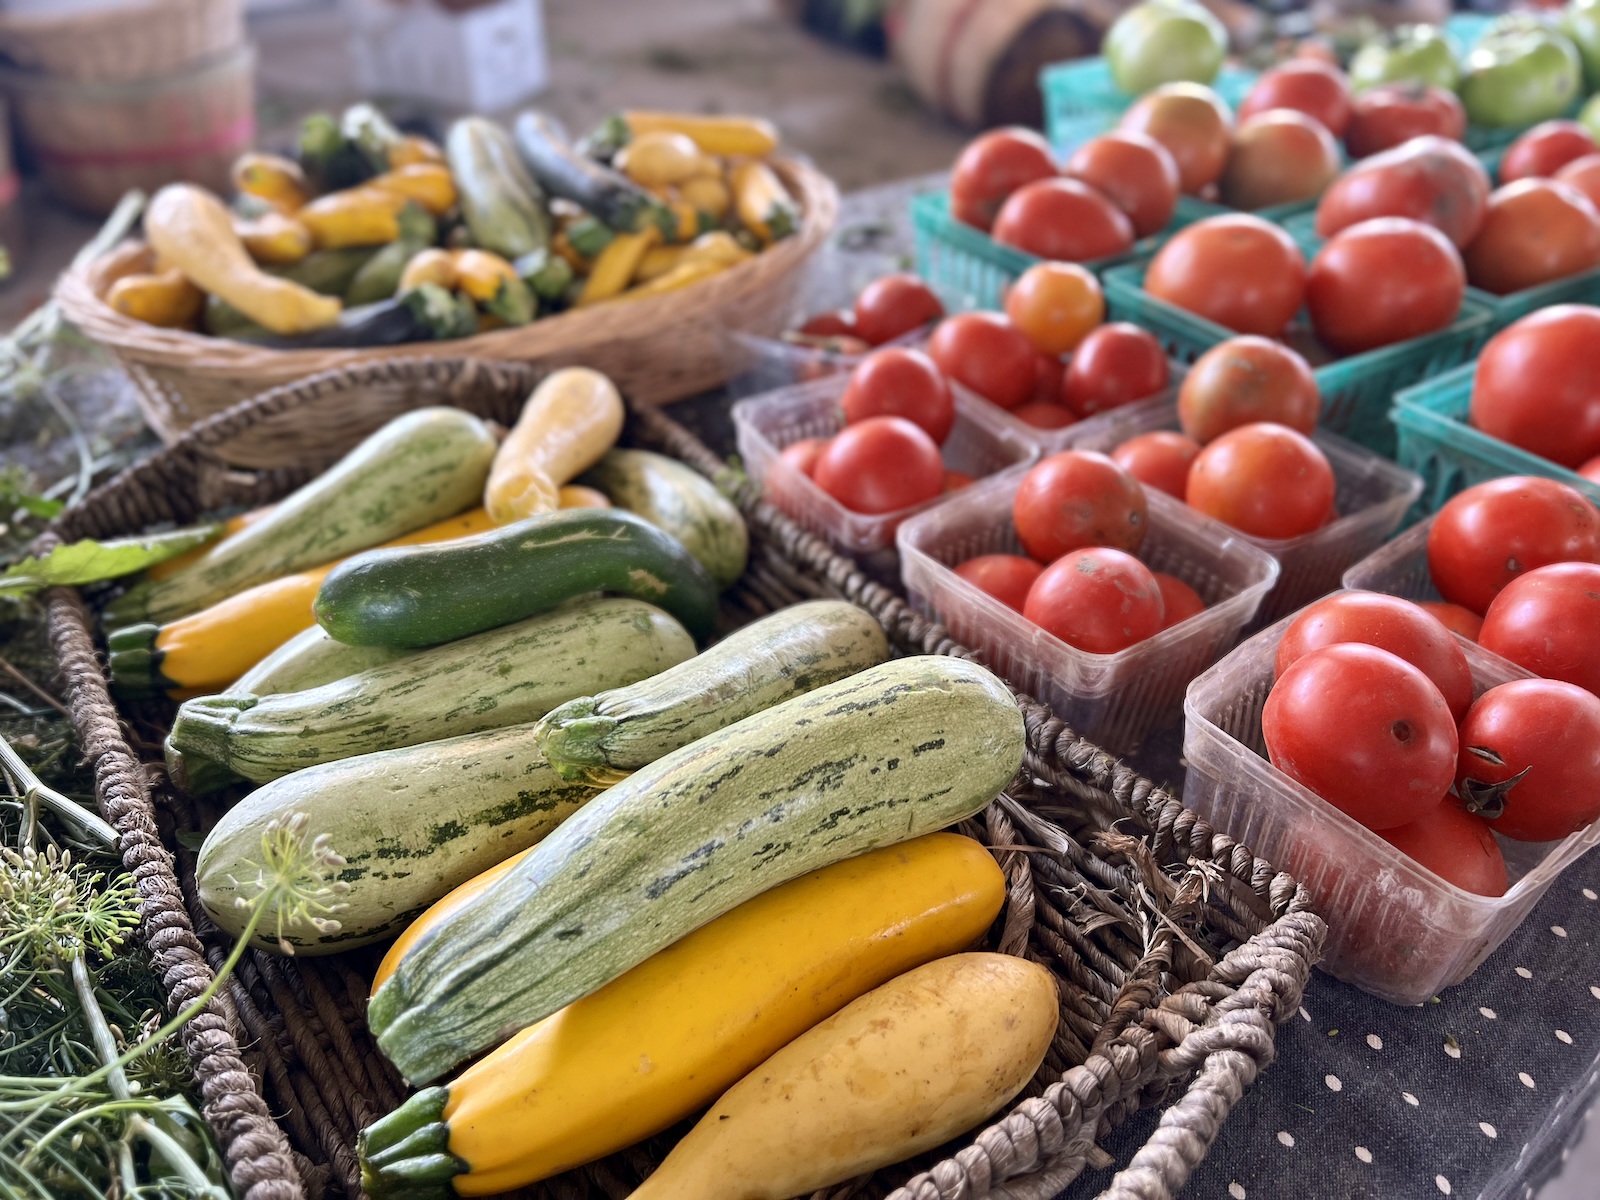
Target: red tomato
[1456, 846]
[1265, 480]
[1583, 174]
[987, 353]
[1006, 577]
[1535, 230]
[1383, 281]
[829, 324]
[1245, 380]
[1193, 123]
[1429, 179]
[1546, 621]
[1391, 114]
[1044, 414]
[1063, 219]
[894, 305]
[1097, 599]
[1135, 172]
[880, 465]
[1049, 373]
[1454, 617]
[1074, 499]
[1179, 601]
[1365, 730]
[803, 455]
[1160, 459]
[1538, 384]
[954, 481]
[1547, 728]
[1115, 365]
[993, 166]
[1486, 536]
[1544, 150]
[1305, 85]
[1591, 469]
[1279, 156]
[895, 382]
[1244, 273]
[1389, 623]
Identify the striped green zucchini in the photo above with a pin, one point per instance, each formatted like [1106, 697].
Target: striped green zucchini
[896, 751]
[680, 500]
[796, 650]
[309, 659]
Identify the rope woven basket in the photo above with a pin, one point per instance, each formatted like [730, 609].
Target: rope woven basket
[1177, 952]
[127, 41]
[657, 349]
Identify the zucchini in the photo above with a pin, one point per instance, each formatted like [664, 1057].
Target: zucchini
[680, 500]
[422, 595]
[562, 171]
[901, 749]
[546, 274]
[419, 468]
[379, 277]
[309, 659]
[371, 133]
[502, 207]
[383, 323]
[328, 272]
[330, 161]
[505, 676]
[794, 651]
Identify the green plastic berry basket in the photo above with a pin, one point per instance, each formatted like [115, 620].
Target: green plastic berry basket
[1436, 442]
[1081, 102]
[1356, 391]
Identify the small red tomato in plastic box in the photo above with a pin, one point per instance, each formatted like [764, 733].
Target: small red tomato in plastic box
[1097, 599]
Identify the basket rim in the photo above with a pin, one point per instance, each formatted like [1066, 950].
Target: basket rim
[40, 85]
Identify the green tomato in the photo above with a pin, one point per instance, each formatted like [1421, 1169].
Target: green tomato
[1409, 52]
[1589, 117]
[1522, 71]
[1163, 41]
[1580, 21]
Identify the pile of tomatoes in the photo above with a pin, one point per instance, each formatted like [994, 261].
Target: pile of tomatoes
[886, 310]
[1537, 386]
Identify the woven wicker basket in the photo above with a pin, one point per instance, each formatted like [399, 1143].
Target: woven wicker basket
[1177, 952]
[658, 349]
[129, 41]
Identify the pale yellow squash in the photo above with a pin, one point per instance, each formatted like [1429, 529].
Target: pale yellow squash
[571, 419]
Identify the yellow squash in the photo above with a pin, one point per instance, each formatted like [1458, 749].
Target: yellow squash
[660, 158]
[665, 1038]
[707, 193]
[765, 207]
[190, 229]
[430, 184]
[412, 148]
[658, 260]
[166, 299]
[230, 527]
[715, 135]
[275, 179]
[573, 417]
[614, 266]
[274, 239]
[432, 265]
[903, 1069]
[360, 216]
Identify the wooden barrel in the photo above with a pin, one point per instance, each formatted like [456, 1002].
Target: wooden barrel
[130, 39]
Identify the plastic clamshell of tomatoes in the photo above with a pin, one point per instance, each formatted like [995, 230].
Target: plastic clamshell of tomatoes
[880, 465]
[1097, 599]
[1116, 364]
[1078, 498]
[1245, 380]
[1391, 114]
[1304, 85]
[1383, 281]
[897, 382]
[1006, 577]
[1534, 230]
[1193, 123]
[1063, 219]
[1242, 272]
[1265, 480]
[1544, 150]
[1160, 459]
[1279, 156]
[1455, 845]
[1537, 385]
[986, 352]
[1132, 170]
[1429, 179]
[1548, 621]
[991, 167]
[1056, 304]
[892, 306]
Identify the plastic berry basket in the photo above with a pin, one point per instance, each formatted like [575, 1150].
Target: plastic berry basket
[1396, 929]
[1435, 441]
[1356, 391]
[1113, 700]
[1399, 567]
[1372, 493]
[1081, 101]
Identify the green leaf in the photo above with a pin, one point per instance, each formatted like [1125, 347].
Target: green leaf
[38, 506]
[89, 561]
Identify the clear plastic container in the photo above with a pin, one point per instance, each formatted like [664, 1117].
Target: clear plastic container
[1399, 567]
[1372, 493]
[1395, 929]
[1112, 699]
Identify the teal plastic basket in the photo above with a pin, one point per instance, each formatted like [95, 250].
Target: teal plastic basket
[1081, 102]
[1356, 391]
[1436, 442]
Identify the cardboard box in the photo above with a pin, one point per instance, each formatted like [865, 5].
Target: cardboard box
[481, 55]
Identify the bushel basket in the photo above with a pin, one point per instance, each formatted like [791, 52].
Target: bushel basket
[1176, 951]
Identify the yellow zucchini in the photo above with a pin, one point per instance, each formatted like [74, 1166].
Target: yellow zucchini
[657, 261]
[430, 266]
[573, 417]
[661, 158]
[166, 299]
[273, 239]
[682, 275]
[765, 207]
[430, 184]
[715, 135]
[413, 148]
[615, 265]
[275, 179]
[707, 193]
[494, 284]
[360, 216]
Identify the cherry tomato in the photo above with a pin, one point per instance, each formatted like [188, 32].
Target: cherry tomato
[1115, 365]
[1042, 414]
[1063, 219]
[1006, 577]
[1305, 85]
[1097, 599]
[1160, 459]
[1279, 156]
[1179, 601]
[1591, 469]
[1546, 620]
[1391, 114]
[829, 325]
[1537, 385]
[987, 353]
[1383, 281]
[1244, 273]
[1583, 174]
[1055, 304]
[993, 166]
[1547, 728]
[1135, 172]
[1535, 230]
[1456, 846]
[1453, 617]
[803, 455]
[880, 465]
[1074, 499]
[894, 305]
[1265, 480]
[1193, 123]
[895, 382]
[1486, 536]
[1389, 623]
[1049, 373]
[1430, 179]
[1544, 150]
[1245, 380]
[954, 481]
[1365, 730]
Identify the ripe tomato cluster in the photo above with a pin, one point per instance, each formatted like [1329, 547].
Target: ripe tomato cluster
[887, 308]
[1537, 386]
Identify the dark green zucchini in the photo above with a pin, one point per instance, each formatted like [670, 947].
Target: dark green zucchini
[588, 236]
[562, 171]
[547, 274]
[415, 596]
[329, 160]
[371, 133]
[424, 313]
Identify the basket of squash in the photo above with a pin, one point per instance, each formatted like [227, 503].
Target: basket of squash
[627, 251]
